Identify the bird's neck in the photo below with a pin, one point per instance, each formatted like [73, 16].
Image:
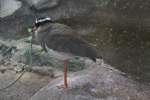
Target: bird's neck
[45, 27]
[41, 32]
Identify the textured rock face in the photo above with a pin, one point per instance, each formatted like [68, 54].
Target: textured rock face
[96, 83]
[123, 40]
[8, 7]
[20, 19]
[43, 4]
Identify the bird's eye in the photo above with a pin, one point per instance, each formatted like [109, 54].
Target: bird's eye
[36, 24]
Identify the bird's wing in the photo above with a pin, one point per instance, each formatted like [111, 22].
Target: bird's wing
[70, 44]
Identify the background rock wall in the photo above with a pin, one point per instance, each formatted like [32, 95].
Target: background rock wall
[119, 28]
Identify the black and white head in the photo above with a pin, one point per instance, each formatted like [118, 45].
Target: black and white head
[41, 21]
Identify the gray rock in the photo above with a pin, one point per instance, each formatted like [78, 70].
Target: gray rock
[16, 52]
[24, 17]
[8, 7]
[43, 4]
[27, 86]
[95, 83]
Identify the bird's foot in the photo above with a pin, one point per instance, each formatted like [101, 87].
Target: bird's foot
[62, 87]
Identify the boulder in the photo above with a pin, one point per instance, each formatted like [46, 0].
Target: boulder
[99, 82]
[8, 7]
[16, 52]
[23, 89]
[43, 4]
[23, 15]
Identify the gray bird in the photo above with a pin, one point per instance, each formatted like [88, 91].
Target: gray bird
[62, 42]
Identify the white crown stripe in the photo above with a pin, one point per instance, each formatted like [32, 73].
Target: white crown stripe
[42, 20]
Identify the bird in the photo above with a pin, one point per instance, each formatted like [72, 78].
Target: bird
[62, 42]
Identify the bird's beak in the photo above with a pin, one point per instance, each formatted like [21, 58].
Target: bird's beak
[34, 28]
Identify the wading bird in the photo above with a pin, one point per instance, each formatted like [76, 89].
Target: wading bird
[63, 42]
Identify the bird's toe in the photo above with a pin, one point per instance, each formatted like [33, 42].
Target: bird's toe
[62, 87]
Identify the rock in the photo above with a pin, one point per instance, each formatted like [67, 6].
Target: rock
[16, 52]
[122, 33]
[43, 4]
[18, 22]
[8, 7]
[95, 83]
[27, 86]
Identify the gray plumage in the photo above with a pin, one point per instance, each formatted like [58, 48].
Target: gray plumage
[62, 38]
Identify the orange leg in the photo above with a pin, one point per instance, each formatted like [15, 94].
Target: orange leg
[65, 85]
[65, 73]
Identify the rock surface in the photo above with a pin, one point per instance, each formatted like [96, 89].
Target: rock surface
[99, 82]
[92, 81]
[8, 7]
[43, 4]
[120, 33]
[22, 18]
[27, 86]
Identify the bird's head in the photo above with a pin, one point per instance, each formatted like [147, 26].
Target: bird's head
[41, 21]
